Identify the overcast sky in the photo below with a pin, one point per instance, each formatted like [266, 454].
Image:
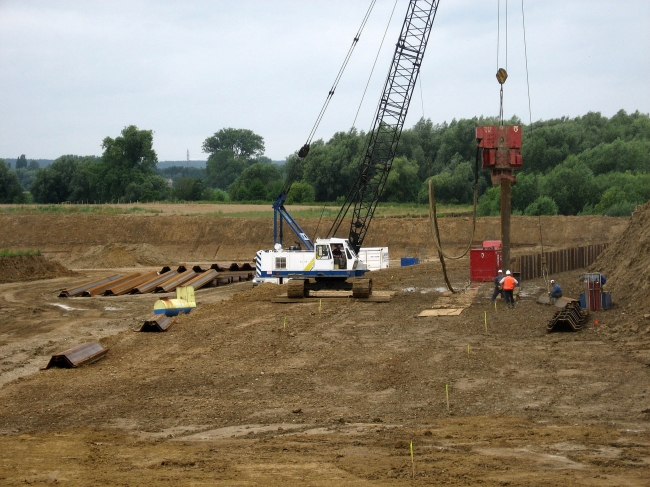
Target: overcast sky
[75, 71]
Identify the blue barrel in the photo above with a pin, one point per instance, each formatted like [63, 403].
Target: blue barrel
[406, 261]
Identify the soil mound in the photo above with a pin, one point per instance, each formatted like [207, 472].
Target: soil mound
[120, 255]
[626, 263]
[30, 267]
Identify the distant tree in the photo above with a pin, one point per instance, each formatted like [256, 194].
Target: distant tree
[53, 184]
[455, 184]
[33, 165]
[218, 195]
[11, 191]
[403, 183]
[525, 190]
[129, 161]
[189, 189]
[541, 206]
[571, 185]
[489, 204]
[21, 162]
[242, 143]
[301, 192]
[256, 181]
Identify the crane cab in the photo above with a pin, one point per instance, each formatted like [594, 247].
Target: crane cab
[332, 258]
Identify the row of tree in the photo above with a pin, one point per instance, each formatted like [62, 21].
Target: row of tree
[583, 165]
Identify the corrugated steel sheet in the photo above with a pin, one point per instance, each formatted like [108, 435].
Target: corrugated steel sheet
[93, 291]
[157, 323]
[202, 279]
[69, 293]
[76, 356]
[174, 282]
[126, 286]
[165, 280]
[150, 285]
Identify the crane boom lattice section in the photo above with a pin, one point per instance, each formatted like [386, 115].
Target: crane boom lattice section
[389, 120]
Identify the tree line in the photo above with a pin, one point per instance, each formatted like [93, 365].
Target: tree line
[585, 165]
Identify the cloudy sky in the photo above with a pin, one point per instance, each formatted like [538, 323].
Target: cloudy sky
[75, 71]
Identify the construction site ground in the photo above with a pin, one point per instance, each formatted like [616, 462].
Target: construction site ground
[330, 392]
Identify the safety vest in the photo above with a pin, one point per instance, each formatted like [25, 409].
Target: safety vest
[508, 283]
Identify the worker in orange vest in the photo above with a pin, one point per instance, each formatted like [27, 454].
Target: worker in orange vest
[508, 284]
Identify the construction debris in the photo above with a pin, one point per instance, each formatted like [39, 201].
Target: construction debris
[571, 318]
[83, 354]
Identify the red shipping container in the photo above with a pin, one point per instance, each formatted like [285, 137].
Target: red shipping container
[484, 263]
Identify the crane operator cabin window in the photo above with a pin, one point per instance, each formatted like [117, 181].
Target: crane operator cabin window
[323, 252]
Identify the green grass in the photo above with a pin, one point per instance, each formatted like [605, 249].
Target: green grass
[17, 253]
[74, 209]
[330, 210]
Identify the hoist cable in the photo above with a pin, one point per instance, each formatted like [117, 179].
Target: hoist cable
[523, 22]
[434, 219]
[340, 74]
[374, 64]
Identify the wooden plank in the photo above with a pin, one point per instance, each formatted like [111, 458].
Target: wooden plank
[441, 312]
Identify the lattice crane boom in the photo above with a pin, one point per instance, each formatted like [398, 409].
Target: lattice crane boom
[389, 120]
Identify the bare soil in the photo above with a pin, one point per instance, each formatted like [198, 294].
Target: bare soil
[244, 391]
[30, 267]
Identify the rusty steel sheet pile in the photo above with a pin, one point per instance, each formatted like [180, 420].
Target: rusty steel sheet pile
[202, 279]
[163, 281]
[152, 284]
[69, 293]
[94, 291]
[174, 282]
[126, 286]
[83, 354]
[157, 323]
[571, 318]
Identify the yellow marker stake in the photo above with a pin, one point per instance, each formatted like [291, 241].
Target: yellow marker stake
[285, 322]
[447, 393]
[320, 305]
[412, 459]
[495, 305]
[468, 350]
[485, 318]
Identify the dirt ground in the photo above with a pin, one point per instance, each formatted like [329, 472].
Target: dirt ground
[329, 392]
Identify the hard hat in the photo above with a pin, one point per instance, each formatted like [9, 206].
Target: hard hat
[500, 271]
[507, 273]
[552, 280]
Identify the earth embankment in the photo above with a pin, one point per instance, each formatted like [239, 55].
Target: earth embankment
[200, 238]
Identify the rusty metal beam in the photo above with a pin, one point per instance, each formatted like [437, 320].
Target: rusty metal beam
[157, 323]
[69, 293]
[178, 280]
[505, 222]
[93, 291]
[149, 286]
[83, 354]
[202, 279]
[127, 286]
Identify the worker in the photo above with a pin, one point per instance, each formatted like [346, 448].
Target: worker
[497, 287]
[508, 284]
[556, 291]
[336, 253]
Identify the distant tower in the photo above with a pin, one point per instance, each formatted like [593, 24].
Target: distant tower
[188, 158]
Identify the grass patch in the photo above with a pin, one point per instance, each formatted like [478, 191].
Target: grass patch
[18, 253]
[75, 209]
[330, 210]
